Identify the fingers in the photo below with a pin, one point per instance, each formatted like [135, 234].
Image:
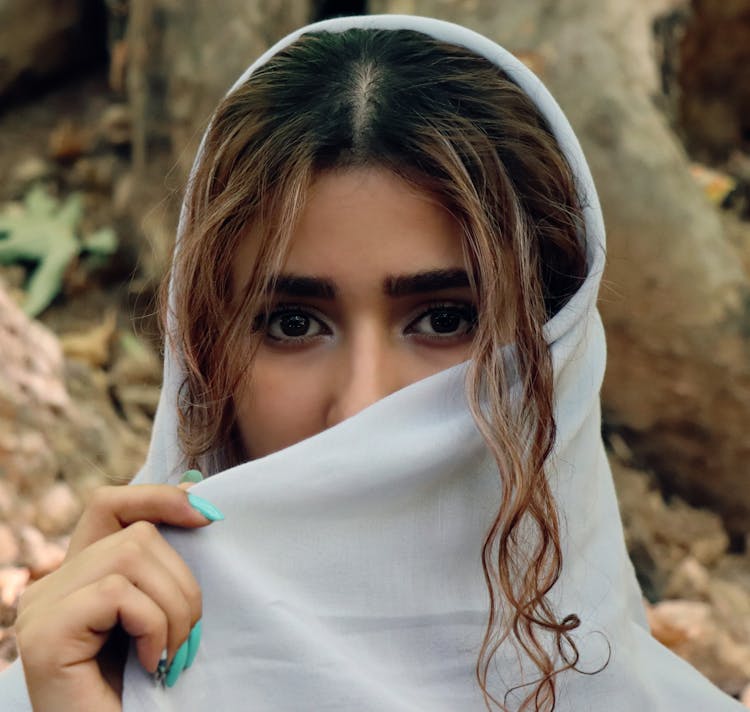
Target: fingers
[79, 629]
[113, 508]
[85, 618]
[142, 555]
[119, 569]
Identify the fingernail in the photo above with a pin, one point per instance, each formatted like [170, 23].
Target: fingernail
[193, 642]
[205, 508]
[161, 667]
[191, 476]
[177, 666]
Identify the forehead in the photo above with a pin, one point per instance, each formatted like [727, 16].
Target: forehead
[362, 222]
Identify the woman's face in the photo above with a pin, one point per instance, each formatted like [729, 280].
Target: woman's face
[373, 296]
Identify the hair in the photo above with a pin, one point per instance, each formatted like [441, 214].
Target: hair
[452, 123]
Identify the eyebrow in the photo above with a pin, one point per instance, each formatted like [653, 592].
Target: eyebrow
[421, 282]
[300, 286]
[294, 285]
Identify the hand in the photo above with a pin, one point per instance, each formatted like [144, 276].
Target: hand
[118, 570]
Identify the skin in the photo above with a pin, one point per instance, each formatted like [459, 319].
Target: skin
[361, 231]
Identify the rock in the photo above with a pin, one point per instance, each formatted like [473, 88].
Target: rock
[26, 459]
[40, 555]
[9, 550]
[13, 580]
[689, 580]
[38, 43]
[729, 601]
[8, 649]
[32, 373]
[31, 390]
[731, 606]
[58, 510]
[699, 531]
[690, 629]
[24, 512]
[735, 568]
[7, 499]
[43, 434]
[8, 615]
[662, 537]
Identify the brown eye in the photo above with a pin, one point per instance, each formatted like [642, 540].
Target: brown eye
[445, 321]
[294, 325]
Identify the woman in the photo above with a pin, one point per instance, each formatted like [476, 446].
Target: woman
[384, 352]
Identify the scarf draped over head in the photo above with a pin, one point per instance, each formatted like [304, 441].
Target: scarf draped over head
[347, 574]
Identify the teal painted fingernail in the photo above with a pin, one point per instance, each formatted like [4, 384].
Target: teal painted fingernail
[192, 476]
[193, 642]
[205, 508]
[178, 665]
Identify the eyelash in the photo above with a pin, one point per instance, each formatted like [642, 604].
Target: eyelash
[466, 311]
[264, 324]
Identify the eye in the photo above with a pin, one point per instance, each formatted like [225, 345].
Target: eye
[294, 324]
[445, 321]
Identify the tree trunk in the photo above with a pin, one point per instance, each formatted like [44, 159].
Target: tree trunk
[183, 56]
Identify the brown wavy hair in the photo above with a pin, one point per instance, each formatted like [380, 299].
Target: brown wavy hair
[451, 123]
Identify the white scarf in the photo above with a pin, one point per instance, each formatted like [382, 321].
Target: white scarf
[347, 574]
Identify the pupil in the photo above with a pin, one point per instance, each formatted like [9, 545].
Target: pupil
[295, 325]
[444, 322]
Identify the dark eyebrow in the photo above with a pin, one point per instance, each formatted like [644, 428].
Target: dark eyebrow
[421, 282]
[302, 287]
[293, 285]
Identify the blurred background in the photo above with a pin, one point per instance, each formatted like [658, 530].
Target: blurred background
[102, 104]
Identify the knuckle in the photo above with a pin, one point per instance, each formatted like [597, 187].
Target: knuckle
[143, 531]
[113, 586]
[184, 616]
[195, 600]
[101, 498]
[26, 599]
[129, 553]
[179, 621]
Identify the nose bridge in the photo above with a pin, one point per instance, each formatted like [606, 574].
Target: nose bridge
[366, 373]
